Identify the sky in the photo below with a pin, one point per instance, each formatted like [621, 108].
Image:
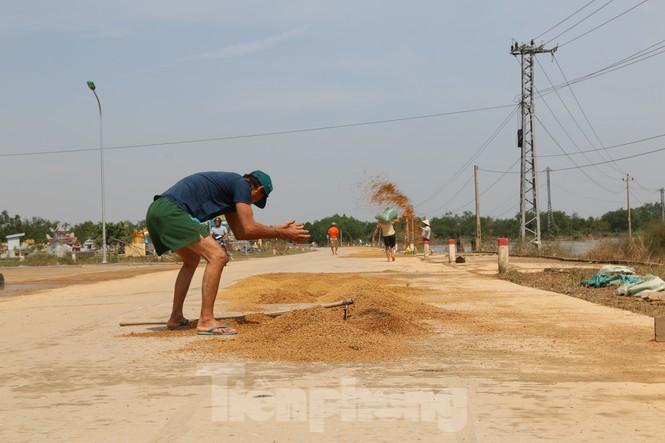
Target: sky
[327, 96]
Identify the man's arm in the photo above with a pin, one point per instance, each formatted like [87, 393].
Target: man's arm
[244, 226]
[375, 232]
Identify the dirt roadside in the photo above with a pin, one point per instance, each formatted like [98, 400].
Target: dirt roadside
[22, 280]
[513, 364]
[565, 278]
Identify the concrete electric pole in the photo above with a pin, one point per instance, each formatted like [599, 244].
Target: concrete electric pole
[662, 204]
[550, 218]
[630, 224]
[526, 141]
[478, 232]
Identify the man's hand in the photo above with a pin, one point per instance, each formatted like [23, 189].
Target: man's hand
[294, 231]
[245, 227]
[286, 224]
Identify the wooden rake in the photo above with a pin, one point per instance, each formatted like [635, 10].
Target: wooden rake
[344, 303]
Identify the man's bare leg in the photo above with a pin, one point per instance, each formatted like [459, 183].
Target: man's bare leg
[215, 258]
[190, 261]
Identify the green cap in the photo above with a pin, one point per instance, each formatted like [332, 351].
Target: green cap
[265, 181]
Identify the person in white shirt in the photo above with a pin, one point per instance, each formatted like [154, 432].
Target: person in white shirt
[426, 232]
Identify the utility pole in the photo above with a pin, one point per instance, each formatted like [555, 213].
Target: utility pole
[478, 233]
[630, 227]
[662, 204]
[526, 141]
[549, 203]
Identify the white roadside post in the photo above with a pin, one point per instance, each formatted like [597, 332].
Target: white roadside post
[503, 255]
[452, 254]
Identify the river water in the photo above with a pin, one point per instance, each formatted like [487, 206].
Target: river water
[576, 247]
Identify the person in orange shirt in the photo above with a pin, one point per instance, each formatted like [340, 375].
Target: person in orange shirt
[333, 238]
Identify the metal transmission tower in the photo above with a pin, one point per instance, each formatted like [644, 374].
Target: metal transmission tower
[529, 214]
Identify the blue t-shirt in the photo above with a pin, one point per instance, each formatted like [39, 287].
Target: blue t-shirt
[205, 195]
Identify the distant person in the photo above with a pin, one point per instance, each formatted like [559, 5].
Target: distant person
[173, 221]
[426, 232]
[388, 231]
[333, 238]
[218, 229]
[221, 235]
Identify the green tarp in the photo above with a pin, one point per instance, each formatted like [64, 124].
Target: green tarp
[602, 280]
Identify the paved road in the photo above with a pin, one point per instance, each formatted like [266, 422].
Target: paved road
[520, 365]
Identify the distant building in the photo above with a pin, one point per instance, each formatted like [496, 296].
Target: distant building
[14, 245]
[61, 236]
[61, 243]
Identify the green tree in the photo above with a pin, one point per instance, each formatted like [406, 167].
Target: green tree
[35, 228]
[89, 230]
[616, 221]
[352, 229]
[117, 233]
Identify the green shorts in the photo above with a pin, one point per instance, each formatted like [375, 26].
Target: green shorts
[170, 227]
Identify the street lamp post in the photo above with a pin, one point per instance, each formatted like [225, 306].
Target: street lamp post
[92, 87]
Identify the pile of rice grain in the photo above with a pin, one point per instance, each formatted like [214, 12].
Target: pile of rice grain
[384, 321]
[381, 324]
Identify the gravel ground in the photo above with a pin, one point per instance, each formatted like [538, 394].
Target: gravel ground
[567, 281]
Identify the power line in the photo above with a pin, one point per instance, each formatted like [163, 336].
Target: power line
[499, 172]
[618, 159]
[637, 57]
[571, 116]
[640, 53]
[473, 157]
[453, 197]
[577, 194]
[511, 208]
[590, 164]
[646, 189]
[586, 118]
[569, 158]
[562, 21]
[607, 147]
[498, 179]
[584, 19]
[604, 23]
[486, 189]
[263, 134]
